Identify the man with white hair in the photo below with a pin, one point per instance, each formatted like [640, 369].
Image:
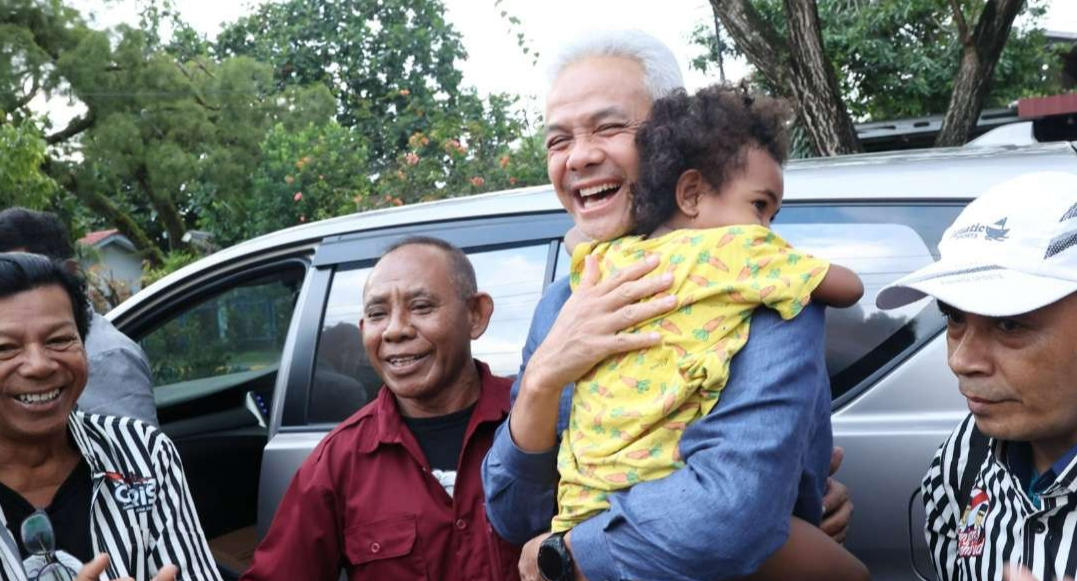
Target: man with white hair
[761, 455]
[1002, 489]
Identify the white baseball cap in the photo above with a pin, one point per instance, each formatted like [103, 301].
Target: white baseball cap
[1011, 251]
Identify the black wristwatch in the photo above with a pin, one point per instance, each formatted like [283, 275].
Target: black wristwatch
[554, 560]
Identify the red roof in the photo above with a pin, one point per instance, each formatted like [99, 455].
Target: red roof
[1043, 106]
[95, 237]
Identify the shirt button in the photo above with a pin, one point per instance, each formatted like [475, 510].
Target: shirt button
[375, 547]
[1040, 527]
[461, 524]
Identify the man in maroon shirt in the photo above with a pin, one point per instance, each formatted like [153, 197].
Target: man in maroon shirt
[394, 492]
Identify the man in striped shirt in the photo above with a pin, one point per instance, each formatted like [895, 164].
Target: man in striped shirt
[1002, 490]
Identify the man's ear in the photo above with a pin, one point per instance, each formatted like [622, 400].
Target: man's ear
[690, 188]
[480, 308]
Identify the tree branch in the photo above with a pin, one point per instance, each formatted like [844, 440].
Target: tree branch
[102, 206]
[198, 98]
[973, 78]
[718, 52]
[165, 208]
[815, 86]
[76, 126]
[962, 27]
[754, 37]
[29, 95]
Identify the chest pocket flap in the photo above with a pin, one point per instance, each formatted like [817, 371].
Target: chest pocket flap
[380, 539]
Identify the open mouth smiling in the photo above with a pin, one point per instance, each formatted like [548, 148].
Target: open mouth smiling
[594, 195]
[42, 398]
[403, 361]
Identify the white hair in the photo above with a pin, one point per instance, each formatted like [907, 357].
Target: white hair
[661, 73]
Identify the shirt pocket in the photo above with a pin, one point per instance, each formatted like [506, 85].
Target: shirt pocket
[385, 549]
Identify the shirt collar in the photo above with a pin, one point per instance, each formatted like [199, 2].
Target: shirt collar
[492, 406]
[81, 437]
[1019, 459]
[1062, 463]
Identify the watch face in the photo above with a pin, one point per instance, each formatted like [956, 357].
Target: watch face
[551, 565]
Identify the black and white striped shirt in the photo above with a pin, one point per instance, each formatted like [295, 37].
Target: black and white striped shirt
[998, 524]
[141, 512]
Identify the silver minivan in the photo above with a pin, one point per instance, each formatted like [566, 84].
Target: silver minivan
[257, 355]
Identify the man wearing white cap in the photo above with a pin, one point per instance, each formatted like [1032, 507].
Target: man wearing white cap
[1002, 490]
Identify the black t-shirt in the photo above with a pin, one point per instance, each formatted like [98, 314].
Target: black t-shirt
[441, 438]
[69, 513]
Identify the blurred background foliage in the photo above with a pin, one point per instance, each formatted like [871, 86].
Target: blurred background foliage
[297, 112]
[308, 109]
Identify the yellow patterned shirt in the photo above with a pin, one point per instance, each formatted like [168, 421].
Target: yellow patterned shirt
[628, 413]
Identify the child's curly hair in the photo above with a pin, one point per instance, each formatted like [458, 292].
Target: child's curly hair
[709, 131]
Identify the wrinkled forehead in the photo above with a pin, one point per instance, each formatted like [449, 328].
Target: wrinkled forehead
[409, 270]
[595, 83]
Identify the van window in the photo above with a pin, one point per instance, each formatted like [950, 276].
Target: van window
[343, 379]
[881, 243]
[223, 342]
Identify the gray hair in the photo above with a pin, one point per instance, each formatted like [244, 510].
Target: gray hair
[661, 73]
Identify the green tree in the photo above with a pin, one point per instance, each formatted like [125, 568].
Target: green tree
[318, 172]
[301, 111]
[376, 56]
[467, 151]
[162, 141]
[893, 58]
[22, 181]
[392, 66]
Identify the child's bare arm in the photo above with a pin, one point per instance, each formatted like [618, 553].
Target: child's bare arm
[841, 288]
[810, 555]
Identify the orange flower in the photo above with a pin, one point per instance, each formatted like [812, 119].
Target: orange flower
[404, 92]
[411, 158]
[504, 161]
[477, 181]
[298, 196]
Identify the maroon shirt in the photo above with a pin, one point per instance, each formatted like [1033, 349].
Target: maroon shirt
[365, 501]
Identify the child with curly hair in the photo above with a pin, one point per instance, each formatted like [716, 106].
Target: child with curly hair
[710, 183]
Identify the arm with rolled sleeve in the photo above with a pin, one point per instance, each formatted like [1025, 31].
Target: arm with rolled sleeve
[520, 488]
[728, 509]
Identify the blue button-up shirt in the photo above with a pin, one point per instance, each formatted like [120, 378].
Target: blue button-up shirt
[761, 454]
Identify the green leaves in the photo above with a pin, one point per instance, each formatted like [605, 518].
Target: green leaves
[303, 110]
[897, 58]
[22, 153]
[319, 172]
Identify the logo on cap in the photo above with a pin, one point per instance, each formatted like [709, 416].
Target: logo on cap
[996, 232]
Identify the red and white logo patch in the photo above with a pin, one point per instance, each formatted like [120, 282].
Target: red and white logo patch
[970, 534]
[133, 492]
